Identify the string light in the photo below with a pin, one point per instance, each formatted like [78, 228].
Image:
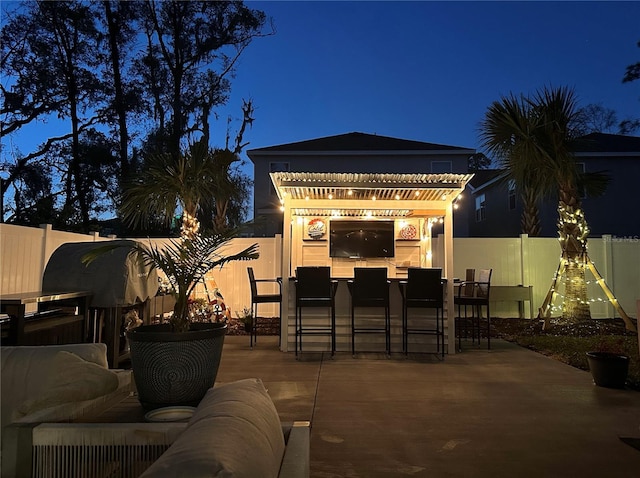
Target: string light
[190, 226]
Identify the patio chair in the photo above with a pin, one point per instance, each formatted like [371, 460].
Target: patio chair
[315, 289]
[473, 296]
[370, 288]
[423, 289]
[257, 298]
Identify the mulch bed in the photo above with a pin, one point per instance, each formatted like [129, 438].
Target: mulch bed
[266, 326]
[569, 342]
[510, 328]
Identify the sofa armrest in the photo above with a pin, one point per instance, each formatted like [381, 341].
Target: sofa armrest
[17, 449]
[295, 463]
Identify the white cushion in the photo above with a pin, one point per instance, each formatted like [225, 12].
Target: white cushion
[235, 432]
[25, 368]
[71, 379]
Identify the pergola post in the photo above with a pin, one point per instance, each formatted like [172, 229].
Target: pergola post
[448, 273]
[286, 273]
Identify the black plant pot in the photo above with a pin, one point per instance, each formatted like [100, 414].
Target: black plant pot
[608, 369]
[171, 368]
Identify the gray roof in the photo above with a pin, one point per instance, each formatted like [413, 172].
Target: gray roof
[358, 142]
[607, 143]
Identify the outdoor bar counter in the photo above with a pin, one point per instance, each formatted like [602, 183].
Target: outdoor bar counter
[364, 342]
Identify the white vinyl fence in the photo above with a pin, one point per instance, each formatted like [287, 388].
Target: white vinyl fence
[24, 252]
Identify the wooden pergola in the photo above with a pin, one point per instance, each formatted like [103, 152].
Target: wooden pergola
[367, 195]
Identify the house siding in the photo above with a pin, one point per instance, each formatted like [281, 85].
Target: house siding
[266, 205]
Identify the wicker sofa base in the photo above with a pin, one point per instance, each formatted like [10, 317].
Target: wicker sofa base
[126, 450]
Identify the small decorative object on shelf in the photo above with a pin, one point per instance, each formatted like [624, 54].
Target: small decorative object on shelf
[316, 228]
[409, 232]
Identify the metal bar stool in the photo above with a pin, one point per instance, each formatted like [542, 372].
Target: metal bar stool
[370, 288]
[257, 298]
[423, 289]
[476, 300]
[314, 288]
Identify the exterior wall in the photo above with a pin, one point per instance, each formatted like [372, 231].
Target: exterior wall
[408, 253]
[266, 202]
[521, 260]
[500, 221]
[613, 213]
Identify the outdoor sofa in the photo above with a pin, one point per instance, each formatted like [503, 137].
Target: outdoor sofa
[52, 383]
[234, 432]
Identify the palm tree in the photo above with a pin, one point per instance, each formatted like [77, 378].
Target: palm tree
[532, 138]
[508, 132]
[195, 181]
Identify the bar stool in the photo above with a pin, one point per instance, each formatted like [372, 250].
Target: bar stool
[314, 288]
[257, 298]
[423, 289]
[370, 288]
[476, 299]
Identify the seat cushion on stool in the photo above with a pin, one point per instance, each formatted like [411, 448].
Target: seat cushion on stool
[235, 431]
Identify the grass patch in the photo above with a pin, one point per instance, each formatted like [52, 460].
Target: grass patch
[569, 343]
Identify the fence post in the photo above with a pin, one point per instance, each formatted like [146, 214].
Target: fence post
[607, 273]
[525, 270]
[46, 252]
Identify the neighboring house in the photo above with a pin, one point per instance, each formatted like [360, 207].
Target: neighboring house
[346, 153]
[495, 207]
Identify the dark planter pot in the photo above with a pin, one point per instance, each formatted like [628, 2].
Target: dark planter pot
[608, 369]
[175, 369]
[247, 327]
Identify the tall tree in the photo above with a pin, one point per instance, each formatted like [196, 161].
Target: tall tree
[533, 137]
[52, 51]
[632, 72]
[479, 161]
[508, 132]
[168, 182]
[195, 45]
[120, 21]
[595, 118]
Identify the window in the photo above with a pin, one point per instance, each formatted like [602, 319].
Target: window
[277, 167]
[438, 167]
[512, 195]
[481, 213]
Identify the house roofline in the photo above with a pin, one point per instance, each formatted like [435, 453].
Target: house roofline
[429, 152]
[625, 154]
[486, 184]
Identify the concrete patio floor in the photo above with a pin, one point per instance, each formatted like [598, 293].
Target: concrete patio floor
[507, 412]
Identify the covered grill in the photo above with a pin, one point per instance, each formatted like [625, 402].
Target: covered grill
[116, 279]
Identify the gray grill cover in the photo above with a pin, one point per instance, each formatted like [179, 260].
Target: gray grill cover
[116, 278]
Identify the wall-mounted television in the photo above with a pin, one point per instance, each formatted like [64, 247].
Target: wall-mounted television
[361, 239]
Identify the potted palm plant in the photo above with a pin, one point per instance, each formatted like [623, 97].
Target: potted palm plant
[176, 363]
